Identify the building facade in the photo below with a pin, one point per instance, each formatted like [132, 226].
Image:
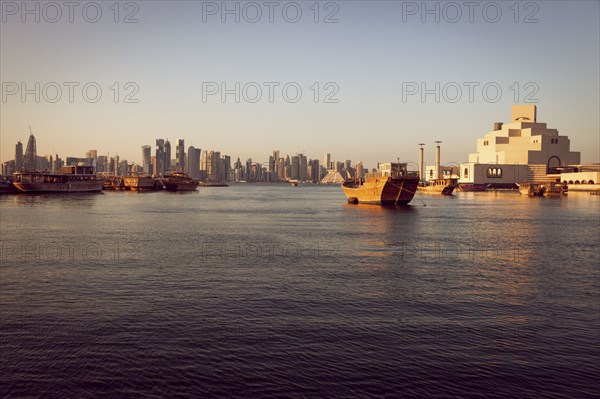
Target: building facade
[512, 152]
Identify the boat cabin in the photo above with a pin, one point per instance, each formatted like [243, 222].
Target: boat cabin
[77, 170]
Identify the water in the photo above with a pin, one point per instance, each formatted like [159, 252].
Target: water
[275, 291]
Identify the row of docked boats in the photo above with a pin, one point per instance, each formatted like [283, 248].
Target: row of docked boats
[393, 184]
[78, 179]
[176, 181]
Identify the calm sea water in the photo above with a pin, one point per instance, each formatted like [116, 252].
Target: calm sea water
[275, 291]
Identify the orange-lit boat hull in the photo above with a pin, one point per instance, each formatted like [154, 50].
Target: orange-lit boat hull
[385, 191]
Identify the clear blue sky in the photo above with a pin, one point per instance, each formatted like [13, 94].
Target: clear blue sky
[369, 54]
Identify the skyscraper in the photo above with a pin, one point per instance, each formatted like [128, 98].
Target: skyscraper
[275, 169]
[167, 161]
[303, 169]
[280, 169]
[249, 175]
[315, 174]
[193, 162]
[147, 159]
[180, 154]
[30, 154]
[226, 167]
[295, 168]
[213, 165]
[102, 162]
[272, 164]
[326, 160]
[160, 157]
[92, 158]
[288, 170]
[204, 165]
[19, 155]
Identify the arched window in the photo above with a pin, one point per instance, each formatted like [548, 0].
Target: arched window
[591, 182]
[553, 163]
[431, 173]
[494, 172]
[466, 172]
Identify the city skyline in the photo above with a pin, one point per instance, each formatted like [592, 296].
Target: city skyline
[366, 69]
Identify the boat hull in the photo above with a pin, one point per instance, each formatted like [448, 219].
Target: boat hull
[73, 187]
[440, 186]
[136, 183]
[213, 184]
[382, 191]
[7, 187]
[179, 181]
[548, 189]
[442, 190]
[472, 187]
[171, 186]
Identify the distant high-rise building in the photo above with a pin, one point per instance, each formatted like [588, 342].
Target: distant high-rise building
[295, 168]
[225, 173]
[287, 166]
[159, 169]
[102, 162]
[147, 159]
[238, 170]
[167, 155]
[154, 165]
[249, 176]
[210, 165]
[193, 162]
[122, 168]
[359, 170]
[326, 160]
[303, 170]
[180, 155]
[8, 167]
[272, 163]
[115, 167]
[275, 162]
[19, 155]
[30, 154]
[315, 171]
[92, 158]
[280, 169]
[204, 165]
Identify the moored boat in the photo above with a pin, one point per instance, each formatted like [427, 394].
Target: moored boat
[179, 181]
[392, 184]
[541, 189]
[71, 179]
[213, 184]
[440, 186]
[113, 183]
[7, 186]
[141, 183]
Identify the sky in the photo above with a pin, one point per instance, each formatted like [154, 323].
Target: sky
[363, 80]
